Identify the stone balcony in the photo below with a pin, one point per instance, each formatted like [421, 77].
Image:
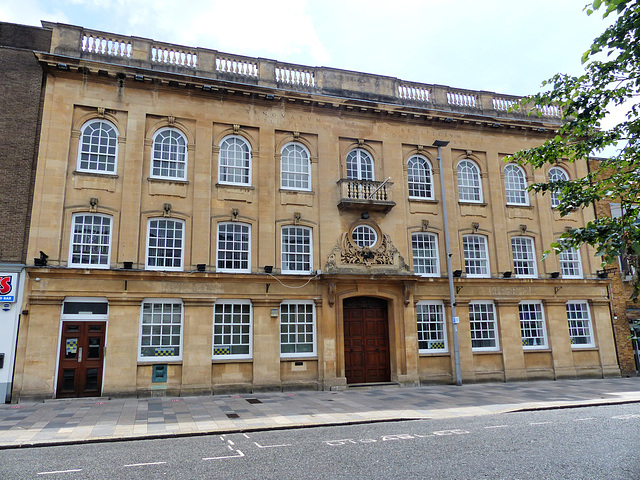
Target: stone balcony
[365, 195]
[206, 66]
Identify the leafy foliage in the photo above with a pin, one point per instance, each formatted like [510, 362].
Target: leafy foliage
[611, 79]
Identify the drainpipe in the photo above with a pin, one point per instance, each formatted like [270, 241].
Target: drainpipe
[452, 292]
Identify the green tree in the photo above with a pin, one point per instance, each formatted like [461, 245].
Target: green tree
[611, 79]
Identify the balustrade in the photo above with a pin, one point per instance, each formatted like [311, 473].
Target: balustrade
[105, 45]
[237, 65]
[295, 76]
[173, 56]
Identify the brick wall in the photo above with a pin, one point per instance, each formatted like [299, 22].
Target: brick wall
[21, 87]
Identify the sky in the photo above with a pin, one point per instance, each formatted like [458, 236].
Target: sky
[504, 46]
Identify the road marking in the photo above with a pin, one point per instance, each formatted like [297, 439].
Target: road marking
[626, 417]
[539, 423]
[455, 431]
[583, 419]
[271, 446]
[230, 442]
[240, 454]
[60, 471]
[245, 435]
[144, 464]
[498, 426]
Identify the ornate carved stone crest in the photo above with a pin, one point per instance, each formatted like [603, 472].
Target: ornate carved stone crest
[346, 257]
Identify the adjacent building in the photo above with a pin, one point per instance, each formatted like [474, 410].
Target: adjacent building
[21, 91]
[214, 223]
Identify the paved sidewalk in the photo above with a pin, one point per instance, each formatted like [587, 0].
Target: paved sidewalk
[80, 420]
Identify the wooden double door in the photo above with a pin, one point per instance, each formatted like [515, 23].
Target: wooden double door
[366, 340]
[81, 359]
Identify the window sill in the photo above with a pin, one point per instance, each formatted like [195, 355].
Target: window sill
[515, 205]
[424, 200]
[180, 181]
[536, 350]
[233, 186]
[434, 354]
[299, 359]
[472, 204]
[587, 348]
[232, 360]
[95, 174]
[151, 361]
[486, 352]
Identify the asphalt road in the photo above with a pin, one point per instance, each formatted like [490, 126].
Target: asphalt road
[580, 443]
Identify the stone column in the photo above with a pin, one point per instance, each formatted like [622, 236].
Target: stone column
[467, 366]
[603, 333]
[197, 346]
[559, 340]
[511, 340]
[120, 373]
[266, 345]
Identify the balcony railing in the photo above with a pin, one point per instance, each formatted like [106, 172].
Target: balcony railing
[78, 42]
[375, 196]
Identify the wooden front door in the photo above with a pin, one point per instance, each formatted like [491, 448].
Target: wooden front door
[366, 340]
[81, 359]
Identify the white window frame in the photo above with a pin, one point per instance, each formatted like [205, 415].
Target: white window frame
[298, 256]
[524, 259]
[240, 252]
[432, 322]
[295, 332]
[360, 165]
[86, 241]
[557, 174]
[108, 154]
[515, 185]
[580, 325]
[181, 240]
[178, 154]
[425, 259]
[162, 325]
[241, 168]
[570, 261]
[362, 233]
[469, 181]
[420, 178]
[480, 258]
[295, 167]
[533, 328]
[234, 331]
[490, 331]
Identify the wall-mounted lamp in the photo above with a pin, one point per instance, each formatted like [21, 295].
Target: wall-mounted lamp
[448, 120]
[138, 78]
[62, 66]
[496, 125]
[269, 96]
[268, 268]
[602, 274]
[41, 261]
[274, 313]
[507, 274]
[457, 273]
[206, 87]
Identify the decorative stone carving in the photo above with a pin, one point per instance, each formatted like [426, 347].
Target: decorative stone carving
[348, 257]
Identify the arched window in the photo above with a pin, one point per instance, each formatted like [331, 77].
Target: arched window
[420, 178]
[359, 165]
[169, 155]
[295, 167]
[98, 149]
[557, 174]
[515, 185]
[234, 161]
[469, 186]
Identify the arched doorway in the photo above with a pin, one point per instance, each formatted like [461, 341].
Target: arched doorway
[366, 340]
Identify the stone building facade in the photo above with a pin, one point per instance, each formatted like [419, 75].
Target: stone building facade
[21, 91]
[216, 223]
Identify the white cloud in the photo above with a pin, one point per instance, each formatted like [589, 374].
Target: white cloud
[30, 12]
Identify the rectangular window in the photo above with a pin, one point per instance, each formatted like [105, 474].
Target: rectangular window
[165, 244]
[570, 265]
[425, 254]
[90, 241]
[232, 325]
[484, 330]
[532, 327]
[524, 257]
[296, 249]
[234, 247]
[476, 258]
[432, 332]
[579, 324]
[297, 329]
[161, 330]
